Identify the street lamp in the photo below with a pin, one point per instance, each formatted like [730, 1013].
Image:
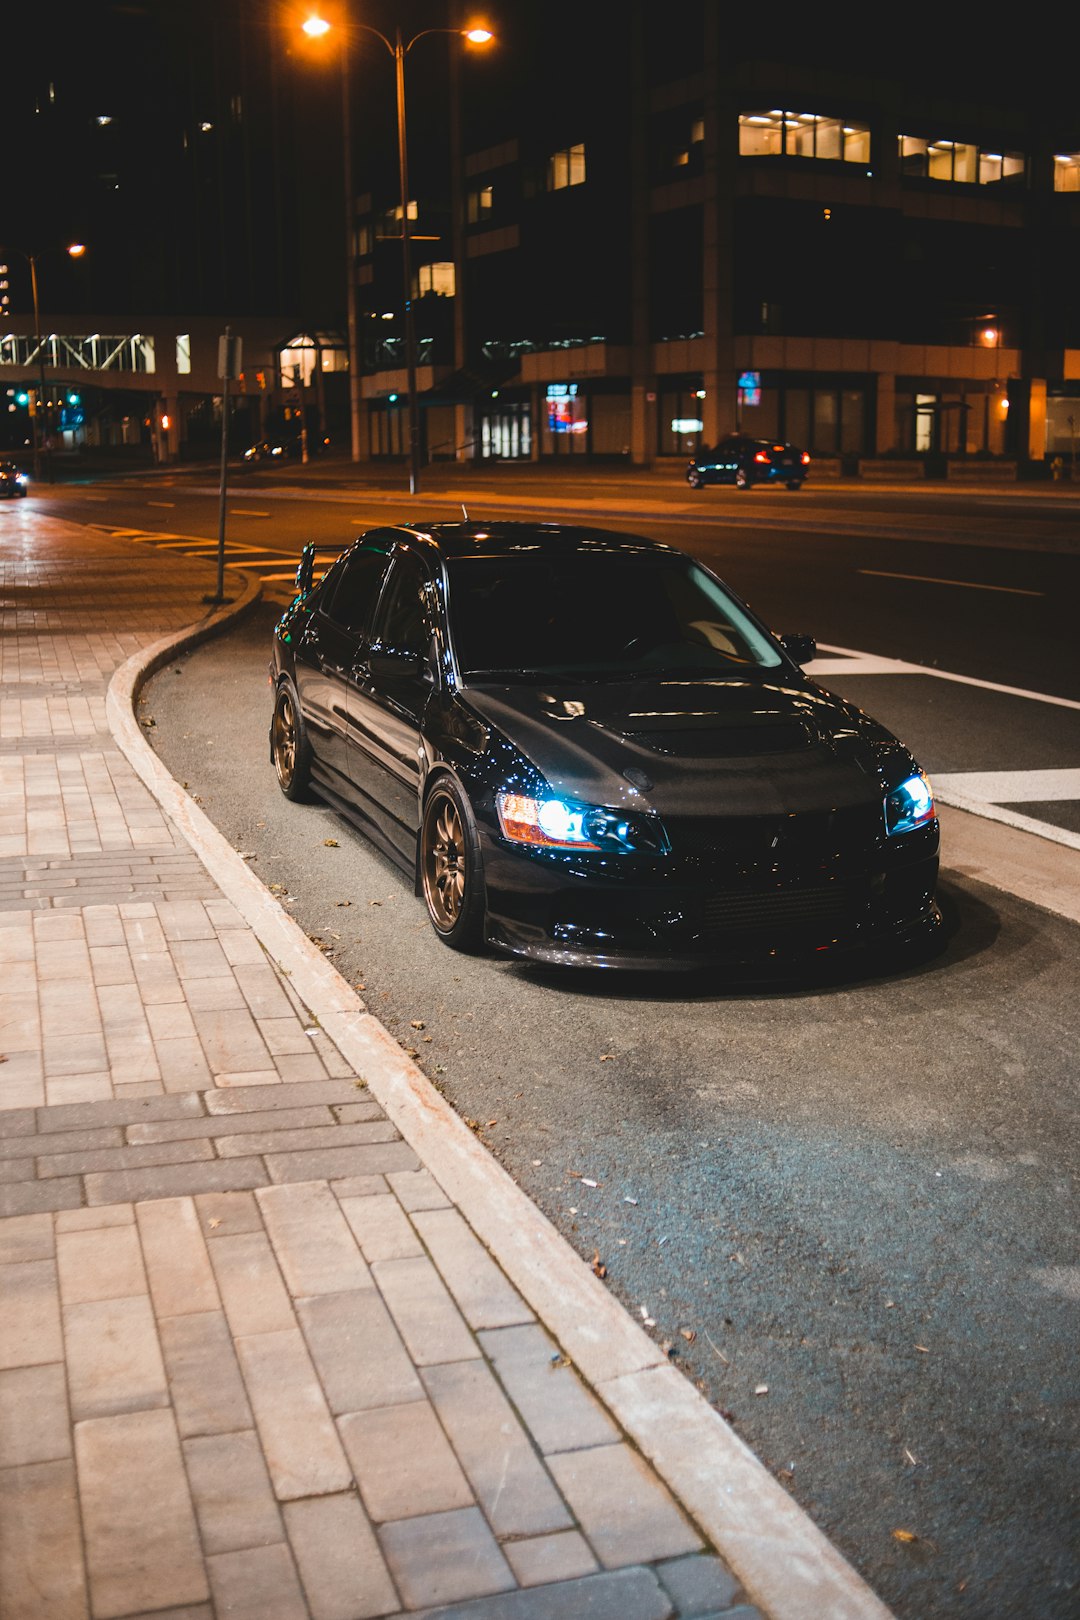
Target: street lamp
[315, 27]
[75, 251]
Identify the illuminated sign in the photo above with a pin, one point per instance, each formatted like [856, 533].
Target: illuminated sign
[750, 387]
[565, 409]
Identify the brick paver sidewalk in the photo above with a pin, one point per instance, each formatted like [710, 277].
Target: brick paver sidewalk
[253, 1361]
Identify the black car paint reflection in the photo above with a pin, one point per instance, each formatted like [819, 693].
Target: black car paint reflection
[587, 750]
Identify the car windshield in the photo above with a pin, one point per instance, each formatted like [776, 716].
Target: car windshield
[598, 617]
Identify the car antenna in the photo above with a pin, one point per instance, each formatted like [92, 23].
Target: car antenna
[464, 513]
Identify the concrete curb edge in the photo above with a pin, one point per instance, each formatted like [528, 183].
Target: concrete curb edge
[787, 1565]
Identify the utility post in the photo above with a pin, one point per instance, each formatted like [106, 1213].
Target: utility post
[229, 363]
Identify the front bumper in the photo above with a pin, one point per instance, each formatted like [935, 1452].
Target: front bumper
[662, 912]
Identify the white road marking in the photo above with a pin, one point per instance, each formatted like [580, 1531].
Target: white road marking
[849, 661]
[1011, 787]
[967, 584]
[243, 511]
[1010, 818]
[161, 503]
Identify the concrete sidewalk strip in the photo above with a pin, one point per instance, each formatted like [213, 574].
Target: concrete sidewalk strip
[278, 1336]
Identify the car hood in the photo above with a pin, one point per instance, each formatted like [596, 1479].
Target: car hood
[695, 747]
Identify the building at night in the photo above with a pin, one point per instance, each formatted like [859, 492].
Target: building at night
[629, 231]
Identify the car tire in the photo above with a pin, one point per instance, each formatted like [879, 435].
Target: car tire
[694, 478]
[742, 478]
[794, 483]
[451, 867]
[290, 748]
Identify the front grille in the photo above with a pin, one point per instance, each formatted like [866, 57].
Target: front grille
[835, 905]
[814, 836]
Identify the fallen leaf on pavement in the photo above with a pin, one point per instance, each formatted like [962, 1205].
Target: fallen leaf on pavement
[599, 1268]
[905, 1535]
[343, 902]
[607, 1057]
[416, 1023]
[558, 1361]
[688, 1334]
[215, 1220]
[330, 843]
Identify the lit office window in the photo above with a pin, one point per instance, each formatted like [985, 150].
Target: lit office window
[778, 133]
[566, 168]
[479, 204]
[695, 137]
[1067, 172]
[958, 162]
[183, 353]
[436, 278]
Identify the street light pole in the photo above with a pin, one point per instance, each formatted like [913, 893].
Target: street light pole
[350, 257]
[406, 269]
[41, 418]
[315, 27]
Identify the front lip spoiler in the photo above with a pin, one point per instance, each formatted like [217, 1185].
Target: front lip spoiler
[925, 932]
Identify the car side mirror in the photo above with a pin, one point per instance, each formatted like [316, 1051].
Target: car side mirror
[801, 649]
[305, 572]
[394, 663]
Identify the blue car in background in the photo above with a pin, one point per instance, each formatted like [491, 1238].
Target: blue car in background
[743, 461]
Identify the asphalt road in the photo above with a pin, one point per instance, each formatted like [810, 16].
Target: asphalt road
[857, 1192]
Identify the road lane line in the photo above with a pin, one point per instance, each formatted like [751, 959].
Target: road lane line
[1012, 787]
[161, 503]
[966, 584]
[243, 511]
[837, 665]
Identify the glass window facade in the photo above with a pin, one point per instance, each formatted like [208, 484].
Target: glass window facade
[1067, 171]
[958, 162]
[566, 168]
[778, 133]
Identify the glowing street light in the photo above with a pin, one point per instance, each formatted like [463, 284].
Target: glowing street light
[75, 250]
[316, 27]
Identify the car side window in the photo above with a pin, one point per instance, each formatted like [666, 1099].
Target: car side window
[402, 625]
[353, 596]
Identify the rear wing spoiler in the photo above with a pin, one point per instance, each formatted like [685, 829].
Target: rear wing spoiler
[309, 558]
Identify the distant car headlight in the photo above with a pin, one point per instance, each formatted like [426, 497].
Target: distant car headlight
[21, 478]
[555, 823]
[910, 805]
[249, 455]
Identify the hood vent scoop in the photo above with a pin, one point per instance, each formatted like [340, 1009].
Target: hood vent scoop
[725, 742]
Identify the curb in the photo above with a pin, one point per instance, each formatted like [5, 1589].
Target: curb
[787, 1565]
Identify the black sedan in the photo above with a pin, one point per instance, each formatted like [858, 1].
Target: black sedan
[744, 462]
[585, 749]
[13, 481]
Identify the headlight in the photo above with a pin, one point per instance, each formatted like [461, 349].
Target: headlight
[910, 805]
[554, 823]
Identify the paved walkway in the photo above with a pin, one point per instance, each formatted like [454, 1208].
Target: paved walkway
[277, 1338]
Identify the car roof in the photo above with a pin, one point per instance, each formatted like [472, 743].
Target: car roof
[469, 539]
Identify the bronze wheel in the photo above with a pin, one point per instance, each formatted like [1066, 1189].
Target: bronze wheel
[450, 873]
[289, 746]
